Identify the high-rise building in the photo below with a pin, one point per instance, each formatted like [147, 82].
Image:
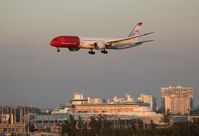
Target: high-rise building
[149, 99]
[177, 100]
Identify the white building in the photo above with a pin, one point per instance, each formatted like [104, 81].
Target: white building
[149, 99]
[177, 100]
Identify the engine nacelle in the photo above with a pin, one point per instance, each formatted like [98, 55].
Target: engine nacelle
[74, 49]
[99, 46]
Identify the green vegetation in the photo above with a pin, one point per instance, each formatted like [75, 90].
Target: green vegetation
[101, 126]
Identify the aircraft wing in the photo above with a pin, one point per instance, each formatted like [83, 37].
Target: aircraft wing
[126, 39]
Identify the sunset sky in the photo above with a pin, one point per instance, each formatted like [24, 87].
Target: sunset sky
[31, 71]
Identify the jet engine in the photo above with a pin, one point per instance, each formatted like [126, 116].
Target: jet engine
[74, 49]
[99, 46]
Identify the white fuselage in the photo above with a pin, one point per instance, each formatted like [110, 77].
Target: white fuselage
[88, 42]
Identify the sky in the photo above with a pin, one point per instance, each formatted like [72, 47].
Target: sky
[32, 72]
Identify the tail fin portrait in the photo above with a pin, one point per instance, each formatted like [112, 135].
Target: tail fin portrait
[136, 30]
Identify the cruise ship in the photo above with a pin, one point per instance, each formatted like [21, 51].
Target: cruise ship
[117, 106]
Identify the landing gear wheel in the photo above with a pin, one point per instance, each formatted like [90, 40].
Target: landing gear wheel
[58, 50]
[104, 51]
[91, 52]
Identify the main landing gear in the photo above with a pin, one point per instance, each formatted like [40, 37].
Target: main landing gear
[58, 50]
[91, 52]
[104, 51]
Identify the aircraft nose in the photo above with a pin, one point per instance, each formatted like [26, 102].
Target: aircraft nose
[52, 43]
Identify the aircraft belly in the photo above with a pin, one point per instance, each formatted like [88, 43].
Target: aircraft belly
[114, 46]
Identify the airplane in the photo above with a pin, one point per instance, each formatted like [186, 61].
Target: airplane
[75, 43]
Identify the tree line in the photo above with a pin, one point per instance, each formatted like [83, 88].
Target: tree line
[102, 126]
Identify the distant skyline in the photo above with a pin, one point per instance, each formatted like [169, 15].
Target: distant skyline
[33, 72]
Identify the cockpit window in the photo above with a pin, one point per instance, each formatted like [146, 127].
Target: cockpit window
[55, 39]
